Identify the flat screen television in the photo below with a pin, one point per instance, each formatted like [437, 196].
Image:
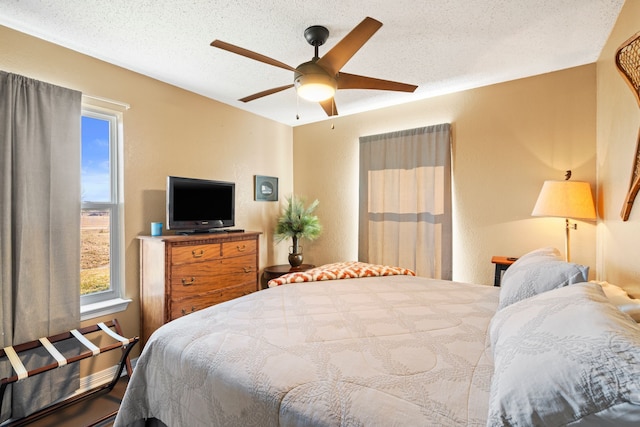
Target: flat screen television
[199, 205]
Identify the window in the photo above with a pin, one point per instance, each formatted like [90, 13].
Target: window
[102, 252]
[405, 200]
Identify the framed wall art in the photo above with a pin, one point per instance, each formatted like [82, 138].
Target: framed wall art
[266, 188]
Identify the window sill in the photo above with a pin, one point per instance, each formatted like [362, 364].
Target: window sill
[103, 308]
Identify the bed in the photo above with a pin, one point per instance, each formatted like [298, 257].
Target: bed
[548, 348]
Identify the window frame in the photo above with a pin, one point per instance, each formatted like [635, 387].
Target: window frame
[110, 301]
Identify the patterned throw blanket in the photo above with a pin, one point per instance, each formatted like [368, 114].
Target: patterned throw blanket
[340, 270]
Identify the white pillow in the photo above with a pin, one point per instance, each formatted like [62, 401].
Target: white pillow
[566, 356]
[622, 300]
[538, 271]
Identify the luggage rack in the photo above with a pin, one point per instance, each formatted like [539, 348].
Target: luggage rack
[21, 373]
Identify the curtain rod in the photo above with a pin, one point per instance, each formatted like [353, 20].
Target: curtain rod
[108, 101]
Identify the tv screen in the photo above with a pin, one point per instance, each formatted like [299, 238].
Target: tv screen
[199, 205]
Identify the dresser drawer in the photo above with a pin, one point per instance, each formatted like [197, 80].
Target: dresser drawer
[196, 253]
[187, 280]
[185, 306]
[239, 248]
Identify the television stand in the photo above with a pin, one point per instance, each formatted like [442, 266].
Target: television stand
[183, 274]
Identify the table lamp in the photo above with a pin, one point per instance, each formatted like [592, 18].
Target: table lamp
[566, 199]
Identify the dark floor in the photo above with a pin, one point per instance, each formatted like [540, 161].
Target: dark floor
[87, 412]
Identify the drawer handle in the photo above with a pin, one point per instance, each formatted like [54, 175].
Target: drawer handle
[247, 269]
[189, 283]
[184, 311]
[241, 248]
[197, 254]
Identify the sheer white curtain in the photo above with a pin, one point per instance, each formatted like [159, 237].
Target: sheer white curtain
[39, 228]
[405, 200]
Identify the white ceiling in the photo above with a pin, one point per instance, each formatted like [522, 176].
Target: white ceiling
[442, 46]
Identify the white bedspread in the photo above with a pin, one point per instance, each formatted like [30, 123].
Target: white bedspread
[379, 351]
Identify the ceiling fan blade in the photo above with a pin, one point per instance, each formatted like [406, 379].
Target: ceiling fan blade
[265, 93]
[329, 107]
[249, 54]
[354, 81]
[335, 59]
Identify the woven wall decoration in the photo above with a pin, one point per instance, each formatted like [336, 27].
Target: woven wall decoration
[628, 63]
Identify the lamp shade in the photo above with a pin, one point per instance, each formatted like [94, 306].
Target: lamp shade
[566, 199]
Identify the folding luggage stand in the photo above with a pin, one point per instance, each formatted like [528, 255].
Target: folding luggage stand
[12, 353]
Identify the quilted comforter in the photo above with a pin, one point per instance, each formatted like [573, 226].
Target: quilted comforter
[373, 351]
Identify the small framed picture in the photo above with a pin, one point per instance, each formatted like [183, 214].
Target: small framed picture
[266, 188]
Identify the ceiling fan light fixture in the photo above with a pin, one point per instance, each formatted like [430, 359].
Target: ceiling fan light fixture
[315, 87]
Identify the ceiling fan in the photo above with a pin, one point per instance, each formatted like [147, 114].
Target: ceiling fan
[318, 79]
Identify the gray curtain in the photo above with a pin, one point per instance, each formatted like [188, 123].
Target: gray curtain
[39, 229]
[405, 200]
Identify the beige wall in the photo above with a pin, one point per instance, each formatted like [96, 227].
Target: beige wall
[617, 133]
[508, 139]
[167, 131]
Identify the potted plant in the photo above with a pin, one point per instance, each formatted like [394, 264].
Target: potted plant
[297, 222]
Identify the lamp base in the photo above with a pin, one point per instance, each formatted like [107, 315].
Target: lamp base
[567, 242]
[567, 249]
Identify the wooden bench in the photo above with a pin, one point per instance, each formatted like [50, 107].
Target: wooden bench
[110, 328]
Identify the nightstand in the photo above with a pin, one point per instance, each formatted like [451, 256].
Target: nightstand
[502, 263]
[275, 271]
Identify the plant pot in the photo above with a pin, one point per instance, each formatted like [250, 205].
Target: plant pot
[295, 258]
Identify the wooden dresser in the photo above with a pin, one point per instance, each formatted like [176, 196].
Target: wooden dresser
[182, 274]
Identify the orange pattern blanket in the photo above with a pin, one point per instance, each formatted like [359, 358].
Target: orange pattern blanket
[340, 270]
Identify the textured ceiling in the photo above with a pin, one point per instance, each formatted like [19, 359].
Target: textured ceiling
[442, 46]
